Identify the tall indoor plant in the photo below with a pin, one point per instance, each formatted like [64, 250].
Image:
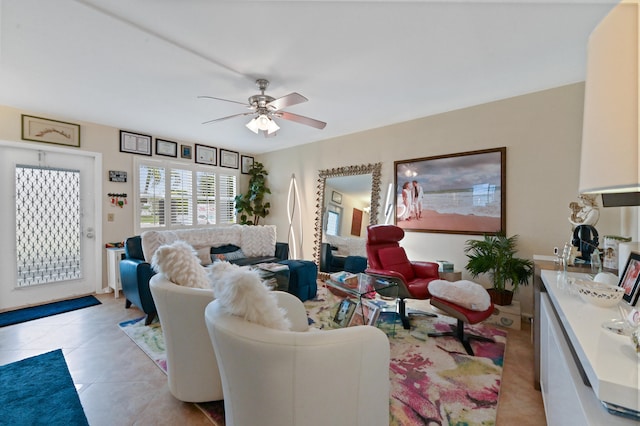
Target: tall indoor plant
[495, 255]
[252, 206]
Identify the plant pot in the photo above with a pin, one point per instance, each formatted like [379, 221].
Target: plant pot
[502, 298]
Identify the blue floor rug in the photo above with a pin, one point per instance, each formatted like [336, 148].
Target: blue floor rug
[39, 391]
[41, 311]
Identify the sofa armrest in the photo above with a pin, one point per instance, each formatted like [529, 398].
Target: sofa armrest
[282, 251]
[134, 276]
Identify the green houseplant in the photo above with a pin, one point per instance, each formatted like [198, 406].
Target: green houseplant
[252, 206]
[495, 255]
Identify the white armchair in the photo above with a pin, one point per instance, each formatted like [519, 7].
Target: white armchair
[192, 369]
[287, 378]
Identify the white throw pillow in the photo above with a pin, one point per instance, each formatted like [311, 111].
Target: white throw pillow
[151, 240]
[465, 293]
[180, 264]
[204, 255]
[241, 292]
[258, 240]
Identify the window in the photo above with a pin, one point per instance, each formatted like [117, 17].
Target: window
[333, 223]
[184, 194]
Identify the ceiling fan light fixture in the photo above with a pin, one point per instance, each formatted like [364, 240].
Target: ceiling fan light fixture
[263, 122]
[253, 125]
[273, 127]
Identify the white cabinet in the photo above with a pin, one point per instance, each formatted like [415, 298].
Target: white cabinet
[114, 255]
[573, 345]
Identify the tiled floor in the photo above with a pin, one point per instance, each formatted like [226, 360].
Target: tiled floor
[119, 385]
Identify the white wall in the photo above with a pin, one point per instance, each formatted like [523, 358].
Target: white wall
[542, 133]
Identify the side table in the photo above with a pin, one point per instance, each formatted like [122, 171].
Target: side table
[450, 275]
[114, 255]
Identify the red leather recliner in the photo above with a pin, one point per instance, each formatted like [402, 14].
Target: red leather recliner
[388, 261]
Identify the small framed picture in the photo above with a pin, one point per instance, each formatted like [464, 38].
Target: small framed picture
[185, 151]
[135, 143]
[206, 155]
[166, 148]
[51, 131]
[344, 312]
[229, 159]
[630, 279]
[366, 313]
[247, 162]
[336, 197]
[117, 176]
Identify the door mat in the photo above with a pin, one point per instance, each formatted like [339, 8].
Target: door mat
[42, 311]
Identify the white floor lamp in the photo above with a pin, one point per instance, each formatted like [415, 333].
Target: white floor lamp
[293, 204]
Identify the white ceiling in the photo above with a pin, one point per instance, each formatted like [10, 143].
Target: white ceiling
[140, 65]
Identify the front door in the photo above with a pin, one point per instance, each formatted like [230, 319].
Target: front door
[48, 218]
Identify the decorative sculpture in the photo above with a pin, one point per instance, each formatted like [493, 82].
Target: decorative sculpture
[584, 216]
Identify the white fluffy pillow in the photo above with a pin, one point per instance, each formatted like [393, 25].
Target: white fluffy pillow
[241, 292]
[258, 240]
[464, 293]
[180, 264]
[151, 240]
[204, 254]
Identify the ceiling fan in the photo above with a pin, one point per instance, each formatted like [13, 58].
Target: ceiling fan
[265, 108]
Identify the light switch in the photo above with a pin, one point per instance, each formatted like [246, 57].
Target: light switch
[111, 217]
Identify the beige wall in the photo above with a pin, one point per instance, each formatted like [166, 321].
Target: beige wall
[541, 131]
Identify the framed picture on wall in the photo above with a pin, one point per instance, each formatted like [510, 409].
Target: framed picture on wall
[228, 159]
[246, 162]
[51, 131]
[166, 148]
[462, 193]
[206, 155]
[135, 143]
[336, 197]
[185, 151]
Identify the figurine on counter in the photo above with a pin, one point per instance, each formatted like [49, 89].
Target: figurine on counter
[584, 216]
[585, 211]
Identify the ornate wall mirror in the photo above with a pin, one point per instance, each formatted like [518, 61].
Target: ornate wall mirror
[337, 196]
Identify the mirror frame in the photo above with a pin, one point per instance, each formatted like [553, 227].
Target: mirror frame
[363, 169]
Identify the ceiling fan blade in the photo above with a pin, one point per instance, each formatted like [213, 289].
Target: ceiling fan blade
[301, 119]
[228, 117]
[287, 100]
[226, 100]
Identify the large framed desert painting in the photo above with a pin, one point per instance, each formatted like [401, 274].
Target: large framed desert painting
[462, 193]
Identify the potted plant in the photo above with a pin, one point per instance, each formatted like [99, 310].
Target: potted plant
[495, 255]
[251, 206]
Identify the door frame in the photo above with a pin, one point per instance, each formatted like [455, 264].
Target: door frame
[97, 200]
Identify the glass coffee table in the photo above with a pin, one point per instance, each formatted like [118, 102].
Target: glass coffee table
[275, 275]
[363, 300]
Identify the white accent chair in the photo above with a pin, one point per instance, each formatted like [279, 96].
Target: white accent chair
[192, 369]
[287, 378]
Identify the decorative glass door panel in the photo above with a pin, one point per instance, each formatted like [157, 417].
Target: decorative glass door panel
[48, 228]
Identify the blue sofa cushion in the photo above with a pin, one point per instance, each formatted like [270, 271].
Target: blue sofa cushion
[227, 248]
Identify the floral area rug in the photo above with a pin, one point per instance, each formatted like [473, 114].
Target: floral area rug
[433, 380]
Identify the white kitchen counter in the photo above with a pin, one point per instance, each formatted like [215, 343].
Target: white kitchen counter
[608, 359]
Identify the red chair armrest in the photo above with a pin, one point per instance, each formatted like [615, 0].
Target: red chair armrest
[385, 273]
[425, 269]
